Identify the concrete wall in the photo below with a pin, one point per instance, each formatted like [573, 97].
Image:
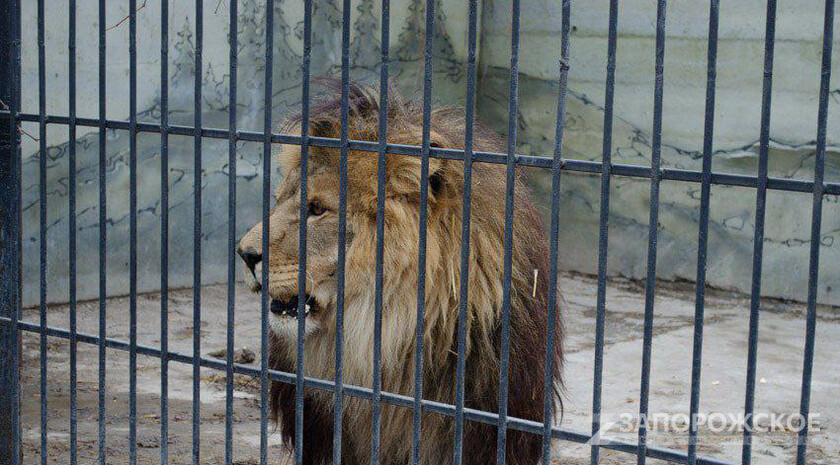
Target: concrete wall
[736, 132]
[737, 126]
[407, 29]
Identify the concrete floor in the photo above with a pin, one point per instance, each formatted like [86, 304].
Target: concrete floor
[722, 388]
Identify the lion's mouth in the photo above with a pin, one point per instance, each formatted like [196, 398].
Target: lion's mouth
[289, 307]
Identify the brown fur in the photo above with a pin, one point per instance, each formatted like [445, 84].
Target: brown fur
[528, 312]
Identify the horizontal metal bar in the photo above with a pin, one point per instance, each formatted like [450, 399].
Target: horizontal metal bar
[439, 408]
[584, 166]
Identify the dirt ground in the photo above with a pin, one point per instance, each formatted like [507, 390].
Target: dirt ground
[722, 389]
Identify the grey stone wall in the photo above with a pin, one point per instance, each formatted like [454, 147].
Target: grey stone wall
[737, 118]
[407, 29]
[737, 127]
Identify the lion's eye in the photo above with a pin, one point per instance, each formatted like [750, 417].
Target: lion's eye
[316, 209]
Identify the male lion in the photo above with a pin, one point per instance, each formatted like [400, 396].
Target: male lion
[529, 291]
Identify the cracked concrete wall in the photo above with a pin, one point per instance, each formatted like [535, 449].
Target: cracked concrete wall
[737, 126]
[736, 132]
[407, 29]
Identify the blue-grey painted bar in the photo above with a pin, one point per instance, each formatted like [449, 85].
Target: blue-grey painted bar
[604, 227]
[338, 406]
[233, 48]
[10, 234]
[266, 207]
[380, 203]
[816, 224]
[758, 250]
[197, 175]
[469, 126]
[132, 247]
[428, 55]
[513, 124]
[42, 221]
[304, 210]
[552, 336]
[653, 229]
[164, 230]
[705, 194]
[71, 226]
[103, 236]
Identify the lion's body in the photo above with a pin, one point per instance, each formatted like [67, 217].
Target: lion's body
[529, 324]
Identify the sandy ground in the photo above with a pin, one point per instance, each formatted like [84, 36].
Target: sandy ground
[722, 388]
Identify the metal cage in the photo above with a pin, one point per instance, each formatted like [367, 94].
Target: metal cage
[10, 230]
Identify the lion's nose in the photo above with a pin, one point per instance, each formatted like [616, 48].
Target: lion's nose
[250, 256]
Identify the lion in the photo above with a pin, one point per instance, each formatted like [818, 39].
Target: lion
[528, 298]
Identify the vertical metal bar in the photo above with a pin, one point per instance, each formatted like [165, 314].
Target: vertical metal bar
[42, 222]
[463, 303]
[758, 251]
[266, 206]
[380, 207]
[71, 92]
[10, 235]
[557, 164]
[338, 405]
[604, 229]
[421, 261]
[132, 247]
[233, 39]
[816, 225]
[653, 229]
[103, 231]
[164, 231]
[705, 194]
[197, 180]
[304, 210]
[513, 122]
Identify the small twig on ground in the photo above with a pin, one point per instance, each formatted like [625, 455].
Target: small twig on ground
[128, 16]
[218, 5]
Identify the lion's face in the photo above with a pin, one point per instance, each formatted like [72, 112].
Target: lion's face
[402, 226]
[283, 262]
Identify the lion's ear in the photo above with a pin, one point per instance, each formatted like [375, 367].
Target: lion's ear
[436, 179]
[322, 128]
[364, 101]
[445, 175]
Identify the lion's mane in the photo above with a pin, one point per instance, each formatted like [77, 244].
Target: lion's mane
[528, 299]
